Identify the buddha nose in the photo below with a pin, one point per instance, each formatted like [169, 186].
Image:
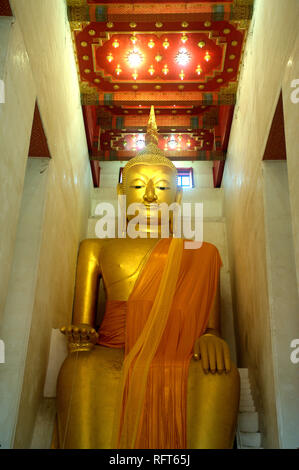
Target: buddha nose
[150, 195]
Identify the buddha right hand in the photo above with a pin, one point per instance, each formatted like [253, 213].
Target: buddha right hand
[80, 337]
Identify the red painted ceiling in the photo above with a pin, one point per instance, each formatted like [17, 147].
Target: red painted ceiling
[5, 9]
[189, 59]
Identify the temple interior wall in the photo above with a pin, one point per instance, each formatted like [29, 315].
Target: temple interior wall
[270, 63]
[39, 46]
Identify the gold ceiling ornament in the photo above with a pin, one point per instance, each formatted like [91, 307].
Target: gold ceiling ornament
[77, 3]
[231, 88]
[158, 24]
[158, 58]
[234, 43]
[133, 24]
[207, 24]
[230, 70]
[165, 69]
[184, 24]
[85, 57]
[151, 43]
[232, 57]
[184, 38]
[166, 43]
[116, 87]
[133, 39]
[110, 24]
[219, 80]
[201, 87]
[78, 25]
[84, 44]
[226, 31]
[91, 32]
[181, 87]
[87, 89]
[87, 71]
[97, 80]
[158, 87]
[201, 44]
[135, 87]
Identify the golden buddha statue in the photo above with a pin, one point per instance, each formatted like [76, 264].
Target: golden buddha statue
[157, 373]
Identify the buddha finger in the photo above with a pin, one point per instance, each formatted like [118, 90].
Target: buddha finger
[84, 334]
[226, 357]
[69, 332]
[196, 353]
[76, 334]
[63, 330]
[204, 356]
[219, 358]
[212, 356]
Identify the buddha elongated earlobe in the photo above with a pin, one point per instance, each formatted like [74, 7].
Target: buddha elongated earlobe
[179, 195]
[119, 189]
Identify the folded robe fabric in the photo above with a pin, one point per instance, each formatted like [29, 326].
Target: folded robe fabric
[166, 312]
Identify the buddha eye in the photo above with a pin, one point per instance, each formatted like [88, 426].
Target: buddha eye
[136, 187]
[163, 188]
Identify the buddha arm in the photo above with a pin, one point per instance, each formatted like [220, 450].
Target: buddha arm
[87, 278]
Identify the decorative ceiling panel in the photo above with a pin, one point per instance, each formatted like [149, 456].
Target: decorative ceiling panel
[182, 57]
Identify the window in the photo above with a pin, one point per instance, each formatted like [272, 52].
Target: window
[185, 178]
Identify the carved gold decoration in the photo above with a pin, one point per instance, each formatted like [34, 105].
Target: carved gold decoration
[87, 89]
[185, 24]
[232, 57]
[77, 3]
[133, 25]
[158, 24]
[234, 43]
[91, 32]
[110, 24]
[78, 25]
[207, 24]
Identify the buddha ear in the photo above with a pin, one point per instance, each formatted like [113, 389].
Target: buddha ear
[179, 195]
[119, 189]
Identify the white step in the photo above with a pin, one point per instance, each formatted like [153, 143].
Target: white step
[248, 422]
[250, 439]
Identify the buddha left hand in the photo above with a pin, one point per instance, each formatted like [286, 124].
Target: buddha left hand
[214, 354]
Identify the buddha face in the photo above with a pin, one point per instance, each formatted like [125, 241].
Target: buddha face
[150, 185]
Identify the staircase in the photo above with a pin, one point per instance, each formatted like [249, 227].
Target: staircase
[248, 435]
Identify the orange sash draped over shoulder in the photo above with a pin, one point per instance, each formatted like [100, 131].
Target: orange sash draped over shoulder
[162, 421]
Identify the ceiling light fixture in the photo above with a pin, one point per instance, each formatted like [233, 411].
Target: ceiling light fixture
[183, 57]
[135, 58]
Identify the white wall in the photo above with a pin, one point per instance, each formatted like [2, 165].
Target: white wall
[40, 65]
[271, 39]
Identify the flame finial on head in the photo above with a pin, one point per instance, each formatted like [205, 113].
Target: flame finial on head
[152, 130]
[151, 154]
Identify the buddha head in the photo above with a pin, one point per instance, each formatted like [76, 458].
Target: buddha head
[150, 178]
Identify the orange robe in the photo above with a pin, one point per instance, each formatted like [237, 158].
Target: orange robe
[163, 420]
